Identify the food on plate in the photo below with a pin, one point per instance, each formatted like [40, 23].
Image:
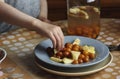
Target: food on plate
[72, 53]
[56, 59]
[67, 60]
[75, 55]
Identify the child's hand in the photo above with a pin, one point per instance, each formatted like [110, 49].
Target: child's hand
[56, 35]
[54, 32]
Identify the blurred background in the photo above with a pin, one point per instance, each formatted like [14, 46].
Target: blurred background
[57, 9]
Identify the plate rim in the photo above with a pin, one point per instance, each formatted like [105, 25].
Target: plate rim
[74, 66]
[77, 73]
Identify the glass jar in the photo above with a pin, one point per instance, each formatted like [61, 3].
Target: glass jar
[83, 18]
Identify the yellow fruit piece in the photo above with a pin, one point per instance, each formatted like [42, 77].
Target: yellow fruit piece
[67, 61]
[77, 41]
[74, 10]
[96, 10]
[75, 54]
[55, 51]
[89, 49]
[85, 13]
[56, 59]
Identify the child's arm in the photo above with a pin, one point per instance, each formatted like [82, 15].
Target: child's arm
[13, 16]
[43, 9]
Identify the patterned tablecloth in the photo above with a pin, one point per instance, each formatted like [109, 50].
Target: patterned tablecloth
[20, 44]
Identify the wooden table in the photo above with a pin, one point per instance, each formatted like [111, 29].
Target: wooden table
[20, 44]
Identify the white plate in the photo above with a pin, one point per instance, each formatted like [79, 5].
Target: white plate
[87, 70]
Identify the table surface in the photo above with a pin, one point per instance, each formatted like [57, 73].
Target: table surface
[20, 44]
